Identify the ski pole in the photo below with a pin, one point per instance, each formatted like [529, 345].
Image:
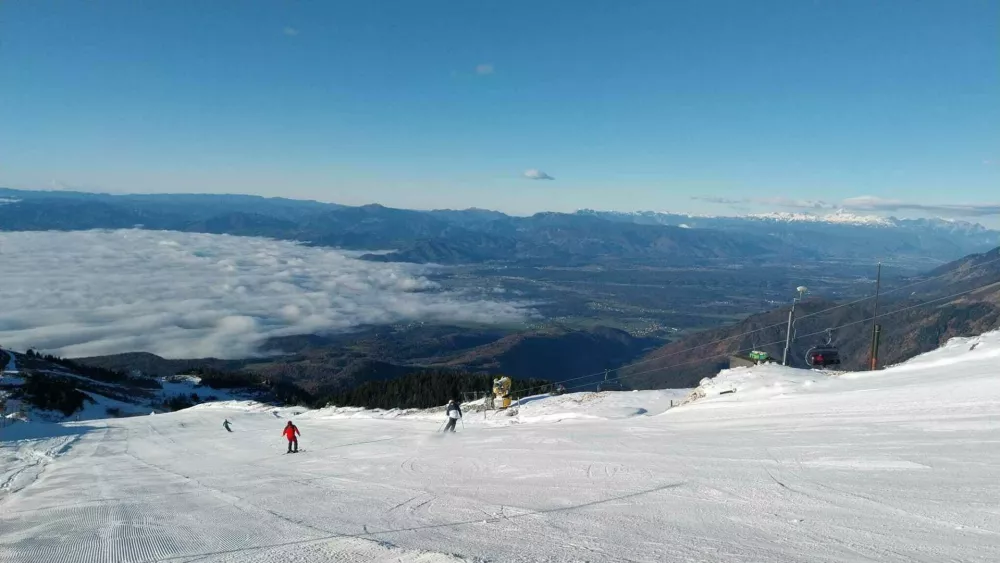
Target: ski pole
[463, 425]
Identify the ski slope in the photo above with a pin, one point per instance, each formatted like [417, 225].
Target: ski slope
[768, 464]
[11, 368]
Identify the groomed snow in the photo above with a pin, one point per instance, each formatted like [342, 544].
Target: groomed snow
[534, 409]
[766, 464]
[11, 368]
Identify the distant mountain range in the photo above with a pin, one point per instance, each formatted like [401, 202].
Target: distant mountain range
[836, 233]
[839, 217]
[476, 236]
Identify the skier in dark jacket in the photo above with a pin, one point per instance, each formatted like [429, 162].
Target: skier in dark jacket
[291, 432]
[226, 425]
[454, 413]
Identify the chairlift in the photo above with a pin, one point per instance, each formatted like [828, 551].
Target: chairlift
[824, 355]
[610, 384]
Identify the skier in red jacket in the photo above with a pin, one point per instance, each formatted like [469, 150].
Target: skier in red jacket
[290, 432]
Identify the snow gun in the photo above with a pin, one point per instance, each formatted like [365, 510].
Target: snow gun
[501, 392]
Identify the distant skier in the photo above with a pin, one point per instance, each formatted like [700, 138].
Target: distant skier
[226, 425]
[291, 432]
[454, 413]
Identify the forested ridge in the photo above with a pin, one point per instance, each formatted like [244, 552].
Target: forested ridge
[425, 389]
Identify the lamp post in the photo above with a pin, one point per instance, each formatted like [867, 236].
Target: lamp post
[791, 316]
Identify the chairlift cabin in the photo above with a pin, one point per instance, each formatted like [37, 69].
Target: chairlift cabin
[823, 355]
[610, 384]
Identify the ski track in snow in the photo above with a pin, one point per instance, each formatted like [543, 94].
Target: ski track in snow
[899, 465]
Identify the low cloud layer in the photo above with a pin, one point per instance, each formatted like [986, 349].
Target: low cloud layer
[533, 174]
[962, 210]
[864, 203]
[185, 295]
[484, 69]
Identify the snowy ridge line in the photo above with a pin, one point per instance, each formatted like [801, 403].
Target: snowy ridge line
[769, 381]
[927, 360]
[750, 348]
[98, 382]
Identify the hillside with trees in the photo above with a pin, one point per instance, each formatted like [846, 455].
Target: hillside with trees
[424, 389]
[959, 299]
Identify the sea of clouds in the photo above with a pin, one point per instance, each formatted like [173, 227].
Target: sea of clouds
[187, 295]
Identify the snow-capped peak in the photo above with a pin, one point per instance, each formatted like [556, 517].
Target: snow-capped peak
[640, 213]
[840, 216]
[833, 217]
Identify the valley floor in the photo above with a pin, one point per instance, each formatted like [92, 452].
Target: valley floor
[901, 465]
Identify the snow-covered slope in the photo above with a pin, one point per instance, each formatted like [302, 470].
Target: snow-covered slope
[530, 410]
[767, 464]
[11, 367]
[103, 398]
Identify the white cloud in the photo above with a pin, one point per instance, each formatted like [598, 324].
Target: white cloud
[533, 174]
[185, 295]
[290, 31]
[484, 69]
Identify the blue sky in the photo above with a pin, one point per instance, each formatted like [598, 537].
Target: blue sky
[701, 106]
